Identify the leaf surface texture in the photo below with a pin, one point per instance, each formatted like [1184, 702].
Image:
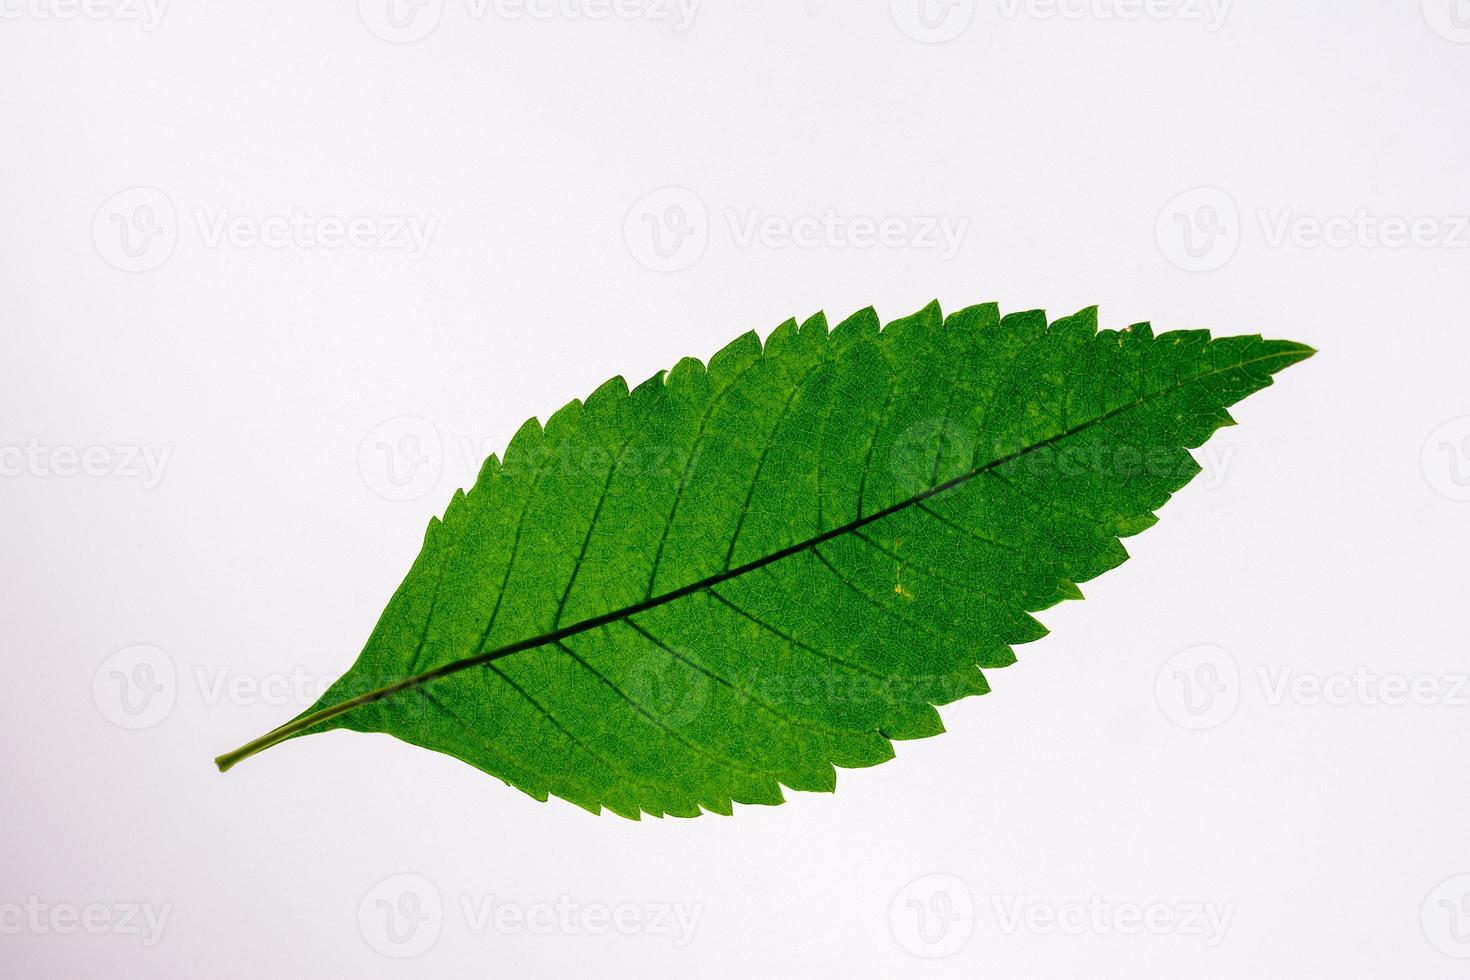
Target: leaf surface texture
[736, 577]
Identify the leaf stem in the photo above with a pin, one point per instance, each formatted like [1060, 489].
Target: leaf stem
[301, 724]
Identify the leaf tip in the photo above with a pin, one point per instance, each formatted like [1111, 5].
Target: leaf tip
[1278, 355]
[1295, 351]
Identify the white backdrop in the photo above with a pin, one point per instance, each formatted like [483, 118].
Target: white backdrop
[276, 277]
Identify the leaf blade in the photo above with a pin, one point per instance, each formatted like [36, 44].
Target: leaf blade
[555, 607]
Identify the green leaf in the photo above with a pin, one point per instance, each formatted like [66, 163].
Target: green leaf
[736, 577]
